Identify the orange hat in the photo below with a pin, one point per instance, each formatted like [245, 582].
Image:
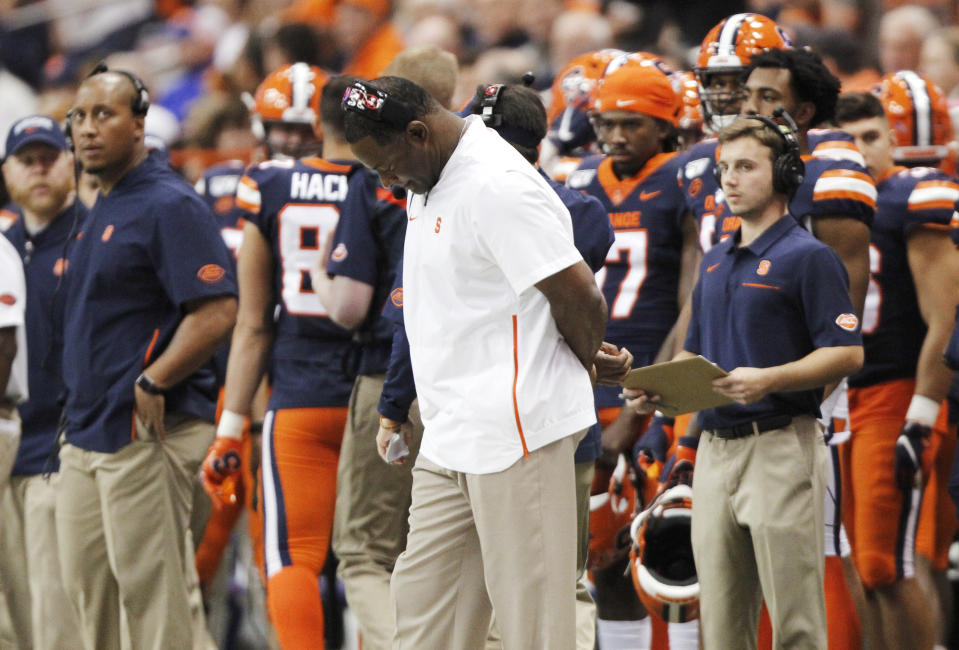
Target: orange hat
[641, 87]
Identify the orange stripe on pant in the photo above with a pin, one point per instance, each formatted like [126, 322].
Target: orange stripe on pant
[300, 453]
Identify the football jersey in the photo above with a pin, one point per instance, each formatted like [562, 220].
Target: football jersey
[217, 187]
[701, 193]
[892, 326]
[640, 279]
[296, 205]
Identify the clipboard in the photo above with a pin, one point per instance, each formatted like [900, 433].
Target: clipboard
[684, 386]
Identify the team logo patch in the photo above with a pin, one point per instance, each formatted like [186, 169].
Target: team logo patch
[396, 296]
[763, 267]
[8, 299]
[848, 322]
[107, 233]
[340, 252]
[696, 187]
[211, 273]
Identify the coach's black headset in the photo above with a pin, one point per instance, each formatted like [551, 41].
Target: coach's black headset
[788, 168]
[139, 103]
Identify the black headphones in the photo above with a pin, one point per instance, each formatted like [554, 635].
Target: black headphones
[788, 168]
[139, 103]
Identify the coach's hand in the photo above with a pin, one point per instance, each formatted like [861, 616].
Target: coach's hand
[150, 410]
[744, 385]
[386, 431]
[640, 402]
[909, 447]
[612, 364]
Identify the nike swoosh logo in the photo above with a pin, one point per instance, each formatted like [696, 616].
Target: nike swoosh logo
[411, 218]
[711, 268]
[625, 102]
[645, 196]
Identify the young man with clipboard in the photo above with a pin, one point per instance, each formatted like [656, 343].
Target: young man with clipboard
[772, 307]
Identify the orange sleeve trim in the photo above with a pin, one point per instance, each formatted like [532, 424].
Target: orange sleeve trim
[947, 184]
[760, 286]
[153, 341]
[326, 166]
[845, 194]
[519, 425]
[848, 173]
[932, 205]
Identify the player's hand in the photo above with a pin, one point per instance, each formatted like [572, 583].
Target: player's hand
[223, 459]
[744, 385]
[150, 410]
[909, 447]
[612, 364]
[640, 402]
[385, 434]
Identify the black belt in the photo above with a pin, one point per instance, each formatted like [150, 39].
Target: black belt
[753, 428]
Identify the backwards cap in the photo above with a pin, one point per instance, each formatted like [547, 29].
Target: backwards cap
[639, 87]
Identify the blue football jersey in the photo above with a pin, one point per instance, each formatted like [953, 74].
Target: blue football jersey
[640, 279]
[892, 326]
[296, 205]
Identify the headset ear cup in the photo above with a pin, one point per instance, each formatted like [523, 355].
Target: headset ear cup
[718, 174]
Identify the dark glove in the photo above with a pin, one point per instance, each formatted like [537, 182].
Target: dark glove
[909, 447]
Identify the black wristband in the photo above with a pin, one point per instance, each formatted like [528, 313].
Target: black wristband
[146, 384]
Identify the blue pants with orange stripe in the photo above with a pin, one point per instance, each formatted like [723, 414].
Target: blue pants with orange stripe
[300, 454]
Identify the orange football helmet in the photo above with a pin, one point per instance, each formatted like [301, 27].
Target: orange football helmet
[609, 515]
[691, 119]
[918, 113]
[727, 49]
[290, 95]
[575, 83]
[661, 557]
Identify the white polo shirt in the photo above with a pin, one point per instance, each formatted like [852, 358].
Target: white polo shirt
[13, 304]
[494, 377]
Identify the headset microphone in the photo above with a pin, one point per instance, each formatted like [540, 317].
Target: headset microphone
[398, 192]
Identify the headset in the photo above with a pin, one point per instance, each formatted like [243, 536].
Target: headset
[139, 103]
[788, 167]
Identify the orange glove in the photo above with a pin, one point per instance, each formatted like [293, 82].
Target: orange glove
[222, 462]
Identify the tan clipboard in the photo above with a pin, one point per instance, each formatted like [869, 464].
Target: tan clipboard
[683, 386]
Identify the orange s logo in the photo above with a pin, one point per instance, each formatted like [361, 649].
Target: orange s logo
[848, 322]
[8, 299]
[439, 222]
[696, 187]
[396, 296]
[107, 233]
[211, 273]
[60, 267]
[763, 267]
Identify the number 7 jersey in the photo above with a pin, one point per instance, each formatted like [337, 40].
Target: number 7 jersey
[640, 280]
[296, 205]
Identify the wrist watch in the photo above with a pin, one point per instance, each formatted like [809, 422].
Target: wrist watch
[146, 384]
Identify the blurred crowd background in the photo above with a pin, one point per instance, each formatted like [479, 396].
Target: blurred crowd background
[202, 60]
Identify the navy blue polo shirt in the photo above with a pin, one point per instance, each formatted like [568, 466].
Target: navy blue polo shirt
[767, 304]
[42, 255]
[146, 249]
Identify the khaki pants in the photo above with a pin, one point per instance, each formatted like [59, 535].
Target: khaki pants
[757, 533]
[372, 506]
[585, 606]
[477, 542]
[30, 566]
[121, 523]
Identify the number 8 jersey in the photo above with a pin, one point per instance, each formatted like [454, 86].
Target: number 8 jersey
[296, 205]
